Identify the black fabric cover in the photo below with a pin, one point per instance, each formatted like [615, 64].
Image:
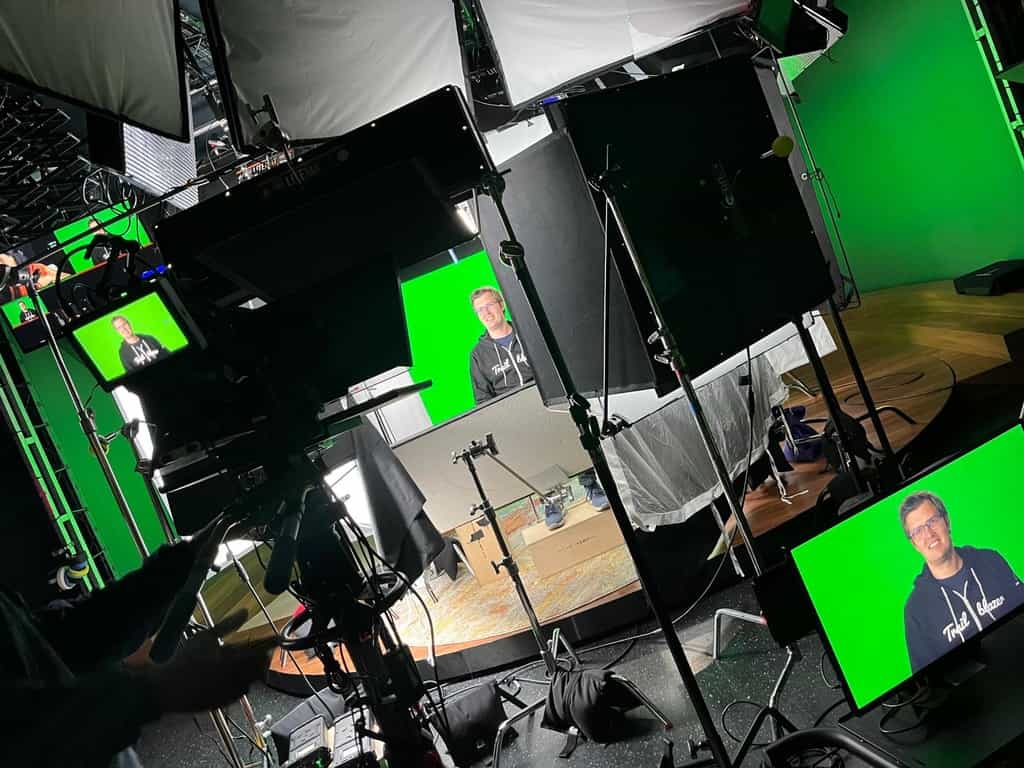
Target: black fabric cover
[472, 724]
[406, 538]
[448, 560]
[590, 700]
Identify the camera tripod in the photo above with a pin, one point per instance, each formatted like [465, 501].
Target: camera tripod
[549, 648]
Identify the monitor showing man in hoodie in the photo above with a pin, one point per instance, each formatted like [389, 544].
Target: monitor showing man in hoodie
[915, 575]
[498, 362]
[136, 335]
[959, 591]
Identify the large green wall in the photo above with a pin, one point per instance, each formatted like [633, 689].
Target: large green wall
[55, 407]
[906, 123]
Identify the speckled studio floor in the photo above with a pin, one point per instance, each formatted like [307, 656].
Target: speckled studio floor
[751, 661]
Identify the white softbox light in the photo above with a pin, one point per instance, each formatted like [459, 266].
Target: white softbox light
[118, 57]
[331, 66]
[542, 45]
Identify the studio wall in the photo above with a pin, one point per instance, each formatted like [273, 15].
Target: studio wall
[55, 406]
[905, 121]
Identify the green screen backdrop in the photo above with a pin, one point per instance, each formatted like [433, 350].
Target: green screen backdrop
[860, 573]
[148, 316]
[129, 229]
[905, 120]
[57, 411]
[442, 331]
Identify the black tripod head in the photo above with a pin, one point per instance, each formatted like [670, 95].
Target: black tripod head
[476, 449]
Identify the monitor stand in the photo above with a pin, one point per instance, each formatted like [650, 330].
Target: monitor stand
[977, 710]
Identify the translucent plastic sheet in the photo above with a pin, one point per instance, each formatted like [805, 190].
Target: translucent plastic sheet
[660, 463]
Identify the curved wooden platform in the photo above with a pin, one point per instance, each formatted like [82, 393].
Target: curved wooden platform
[906, 368]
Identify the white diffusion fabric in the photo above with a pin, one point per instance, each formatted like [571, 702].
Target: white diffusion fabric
[660, 464]
[544, 44]
[115, 56]
[656, 24]
[330, 66]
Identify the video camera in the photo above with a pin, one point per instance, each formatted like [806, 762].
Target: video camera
[277, 296]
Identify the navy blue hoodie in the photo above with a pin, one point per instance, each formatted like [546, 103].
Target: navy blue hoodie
[941, 614]
[496, 369]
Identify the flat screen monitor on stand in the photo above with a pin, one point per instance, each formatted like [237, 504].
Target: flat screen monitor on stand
[915, 596]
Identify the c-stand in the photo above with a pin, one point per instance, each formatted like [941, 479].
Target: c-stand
[548, 648]
[672, 356]
[513, 255]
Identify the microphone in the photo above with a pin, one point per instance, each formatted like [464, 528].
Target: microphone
[782, 148]
[279, 569]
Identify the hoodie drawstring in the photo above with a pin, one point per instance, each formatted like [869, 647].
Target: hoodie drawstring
[504, 374]
[952, 615]
[984, 597]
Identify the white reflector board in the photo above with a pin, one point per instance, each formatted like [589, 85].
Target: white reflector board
[330, 66]
[118, 58]
[542, 45]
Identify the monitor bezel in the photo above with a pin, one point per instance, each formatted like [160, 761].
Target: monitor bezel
[856, 709]
[173, 304]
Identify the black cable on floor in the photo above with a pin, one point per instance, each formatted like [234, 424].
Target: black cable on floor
[828, 710]
[821, 669]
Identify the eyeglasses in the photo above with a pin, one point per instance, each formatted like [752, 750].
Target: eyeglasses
[932, 524]
[480, 310]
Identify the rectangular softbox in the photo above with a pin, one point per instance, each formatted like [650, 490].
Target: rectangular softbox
[542, 45]
[717, 218]
[329, 66]
[121, 59]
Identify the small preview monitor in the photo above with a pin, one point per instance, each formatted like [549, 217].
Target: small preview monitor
[136, 334]
[909, 579]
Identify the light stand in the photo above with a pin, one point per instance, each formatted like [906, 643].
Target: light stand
[99, 450]
[88, 424]
[548, 648]
[513, 255]
[672, 356]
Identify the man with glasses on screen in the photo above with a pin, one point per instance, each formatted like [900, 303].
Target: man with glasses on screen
[137, 349]
[498, 362]
[959, 591]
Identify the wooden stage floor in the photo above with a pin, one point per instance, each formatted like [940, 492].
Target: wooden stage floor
[914, 344]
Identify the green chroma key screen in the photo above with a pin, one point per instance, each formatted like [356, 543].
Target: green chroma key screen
[860, 574]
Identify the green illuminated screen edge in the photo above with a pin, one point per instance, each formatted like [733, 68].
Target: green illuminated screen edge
[148, 316]
[860, 573]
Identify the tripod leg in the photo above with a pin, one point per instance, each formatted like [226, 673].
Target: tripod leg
[751, 736]
[503, 729]
[558, 639]
[792, 655]
[643, 699]
[722, 613]
[726, 541]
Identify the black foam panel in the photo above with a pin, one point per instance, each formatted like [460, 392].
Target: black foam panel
[553, 215]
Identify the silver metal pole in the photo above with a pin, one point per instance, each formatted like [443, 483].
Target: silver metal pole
[88, 425]
[512, 568]
[219, 719]
[674, 359]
